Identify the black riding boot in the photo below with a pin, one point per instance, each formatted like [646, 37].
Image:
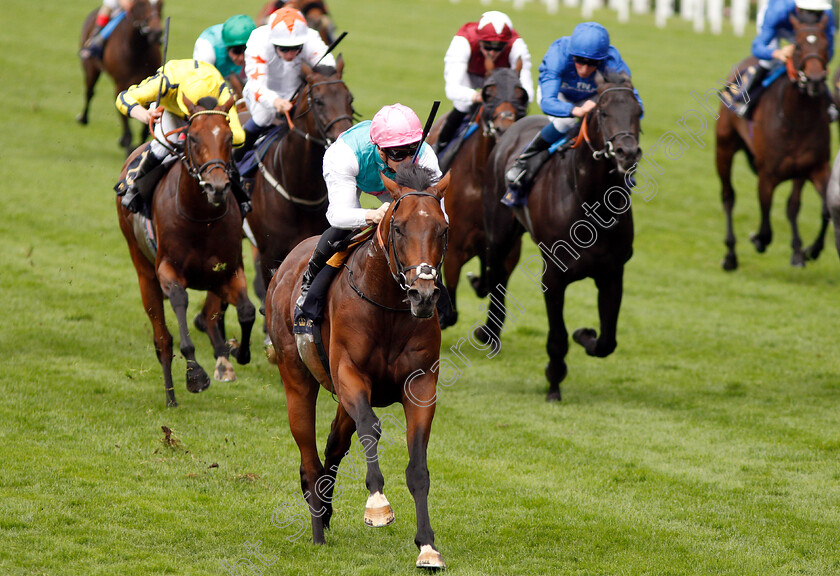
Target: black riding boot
[316, 264]
[144, 163]
[449, 129]
[243, 198]
[745, 101]
[520, 175]
[251, 137]
[94, 46]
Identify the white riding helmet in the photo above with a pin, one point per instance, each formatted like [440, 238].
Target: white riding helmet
[287, 27]
[820, 5]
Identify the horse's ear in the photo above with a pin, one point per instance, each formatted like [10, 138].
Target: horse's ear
[339, 65]
[442, 185]
[794, 21]
[391, 186]
[189, 105]
[625, 77]
[824, 20]
[305, 69]
[599, 78]
[518, 66]
[229, 104]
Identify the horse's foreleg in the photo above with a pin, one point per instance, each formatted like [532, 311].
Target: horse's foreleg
[557, 345]
[211, 320]
[237, 294]
[726, 148]
[338, 443]
[793, 205]
[152, 297]
[820, 181]
[92, 73]
[610, 286]
[451, 275]
[496, 278]
[762, 239]
[197, 379]
[125, 139]
[419, 407]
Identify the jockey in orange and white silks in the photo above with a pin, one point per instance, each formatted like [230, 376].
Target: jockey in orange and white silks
[273, 58]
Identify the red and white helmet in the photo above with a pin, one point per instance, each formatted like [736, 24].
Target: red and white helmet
[395, 125]
[287, 27]
[495, 26]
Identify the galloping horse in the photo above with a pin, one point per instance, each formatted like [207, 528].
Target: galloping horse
[131, 55]
[788, 139]
[380, 351]
[505, 102]
[290, 196]
[585, 185]
[198, 230]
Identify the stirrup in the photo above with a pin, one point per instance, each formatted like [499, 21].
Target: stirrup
[302, 324]
[514, 198]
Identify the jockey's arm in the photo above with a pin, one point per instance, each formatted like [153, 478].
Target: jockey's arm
[457, 83]
[134, 101]
[519, 51]
[340, 170]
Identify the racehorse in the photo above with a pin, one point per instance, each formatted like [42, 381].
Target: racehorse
[198, 229]
[315, 12]
[380, 351]
[131, 54]
[290, 196]
[585, 184]
[505, 102]
[788, 139]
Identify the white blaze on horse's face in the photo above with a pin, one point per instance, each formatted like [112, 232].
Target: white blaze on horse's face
[811, 39]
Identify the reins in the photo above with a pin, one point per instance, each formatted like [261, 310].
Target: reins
[608, 151]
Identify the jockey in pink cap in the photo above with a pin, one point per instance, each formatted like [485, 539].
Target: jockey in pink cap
[352, 166]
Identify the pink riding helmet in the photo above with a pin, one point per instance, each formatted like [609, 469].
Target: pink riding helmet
[395, 125]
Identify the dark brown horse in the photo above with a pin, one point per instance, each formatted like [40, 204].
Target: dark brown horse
[198, 229]
[131, 55]
[382, 338]
[788, 139]
[315, 12]
[578, 213]
[290, 196]
[505, 102]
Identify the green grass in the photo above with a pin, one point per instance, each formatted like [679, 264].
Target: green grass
[708, 443]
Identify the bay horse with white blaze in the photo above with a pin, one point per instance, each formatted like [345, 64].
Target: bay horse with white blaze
[131, 54]
[578, 213]
[787, 139]
[505, 102]
[380, 351]
[198, 229]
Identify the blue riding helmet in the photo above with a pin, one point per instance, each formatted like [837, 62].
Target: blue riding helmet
[590, 40]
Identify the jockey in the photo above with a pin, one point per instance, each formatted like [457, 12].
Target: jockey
[273, 58]
[566, 86]
[96, 41]
[352, 166]
[476, 49]
[223, 45]
[773, 25]
[179, 78]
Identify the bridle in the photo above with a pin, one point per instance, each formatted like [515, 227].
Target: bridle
[795, 71]
[608, 150]
[143, 25]
[199, 172]
[322, 127]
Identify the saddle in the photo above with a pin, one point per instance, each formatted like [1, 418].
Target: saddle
[742, 98]
[248, 165]
[465, 130]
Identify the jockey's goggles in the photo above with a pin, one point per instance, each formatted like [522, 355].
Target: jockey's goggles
[286, 49]
[585, 61]
[400, 153]
[237, 50]
[493, 46]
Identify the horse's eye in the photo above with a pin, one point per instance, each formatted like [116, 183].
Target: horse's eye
[318, 101]
[398, 231]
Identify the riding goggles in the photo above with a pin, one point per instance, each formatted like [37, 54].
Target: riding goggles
[585, 61]
[286, 49]
[493, 46]
[400, 153]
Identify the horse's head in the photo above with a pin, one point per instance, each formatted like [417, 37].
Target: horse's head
[417, 234]
[208, 147]
[615, 121]
[505, 100]
[329, 103]
[807, 66]
[144, 15]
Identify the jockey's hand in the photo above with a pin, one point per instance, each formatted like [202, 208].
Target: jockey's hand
[143, 115]
[375, 216]
[581, 111]
[784, 53]
[282, 106]
[477, 97]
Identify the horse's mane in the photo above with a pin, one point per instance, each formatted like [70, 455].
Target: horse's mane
[507, 80]
[415, 177]
[614, 77]
[207, 102]
[324, 69]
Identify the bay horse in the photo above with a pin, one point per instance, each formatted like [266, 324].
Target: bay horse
[572, 190]
[290, 195]
[787, 139]
[505, 102]
[382, 338]
[198, 229]
[131, 54]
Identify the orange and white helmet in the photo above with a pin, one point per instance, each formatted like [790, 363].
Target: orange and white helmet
[287, 27]
[495, 26]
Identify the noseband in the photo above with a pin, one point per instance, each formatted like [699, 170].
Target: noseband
[398, 271]
[796, 73]
[323, 128]
[608, 151]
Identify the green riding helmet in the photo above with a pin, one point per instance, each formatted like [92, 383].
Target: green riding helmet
[237, 29]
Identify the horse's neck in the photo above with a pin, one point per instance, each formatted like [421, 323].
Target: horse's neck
[798, 108]
[373, 274]
[591, 176]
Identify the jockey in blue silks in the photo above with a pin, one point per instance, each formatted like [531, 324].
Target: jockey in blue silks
[567, 85]
[773, 25]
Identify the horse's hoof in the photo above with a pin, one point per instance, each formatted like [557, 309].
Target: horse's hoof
[197, 379]
[553, 396]
[82, 119]
[224, 371]
[482, 334]
[430, 558]
[797, 260]
[730, 262]
[760, 245]
[584, 335]
[378, 511]
[199, 323]
[812, 253]
[172, 404]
